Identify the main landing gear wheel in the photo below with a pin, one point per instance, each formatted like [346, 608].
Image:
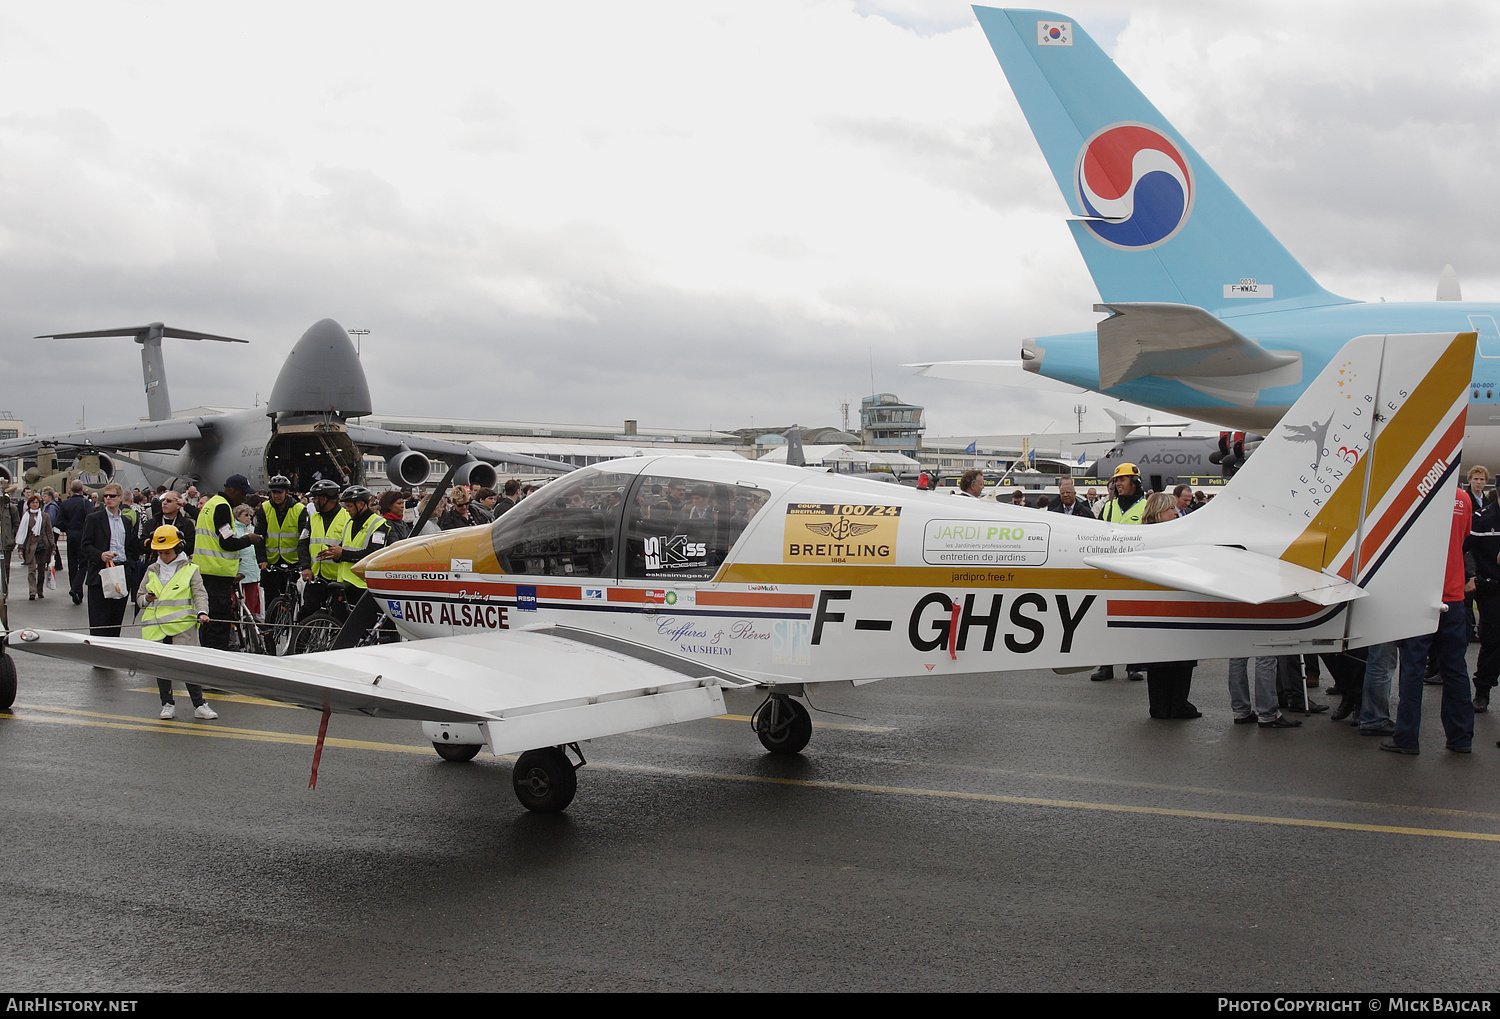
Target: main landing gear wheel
[545, 780]
[783, 725]
[7, 682]
[458, 753]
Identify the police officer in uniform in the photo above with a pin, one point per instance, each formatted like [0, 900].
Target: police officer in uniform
[283, 520]
[325, 527]
[365, 532]
[216, 553]
[1127, 507]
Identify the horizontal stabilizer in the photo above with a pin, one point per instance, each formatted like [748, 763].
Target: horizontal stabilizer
[1190, 345]
[992, 373]
[1222, 571]
[143, 331]
[528, 689]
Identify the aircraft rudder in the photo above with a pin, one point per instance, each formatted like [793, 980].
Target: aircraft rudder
[1156, 222]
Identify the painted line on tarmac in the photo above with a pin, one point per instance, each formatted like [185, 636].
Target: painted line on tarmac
[1115, 808]
[228, 698]
[70, 716]
[846, 726]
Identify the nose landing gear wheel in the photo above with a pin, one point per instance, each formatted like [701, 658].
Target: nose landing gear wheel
[545, 780]
[783, 725]
[458, 753]
[7, 681]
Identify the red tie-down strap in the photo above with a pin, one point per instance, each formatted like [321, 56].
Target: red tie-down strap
[318, 750]
[953, 632]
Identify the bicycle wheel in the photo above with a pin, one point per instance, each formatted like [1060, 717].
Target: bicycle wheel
[248, 634]
[280, 615]
[316, 633]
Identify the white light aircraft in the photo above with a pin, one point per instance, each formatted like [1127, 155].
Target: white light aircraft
[631, 594]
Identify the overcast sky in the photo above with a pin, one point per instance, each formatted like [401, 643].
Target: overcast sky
[691, 213]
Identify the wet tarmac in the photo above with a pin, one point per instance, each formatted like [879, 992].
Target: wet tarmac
[1022, 831]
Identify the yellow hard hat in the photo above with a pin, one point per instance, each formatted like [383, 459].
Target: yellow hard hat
[165, 537]
[1127, 471]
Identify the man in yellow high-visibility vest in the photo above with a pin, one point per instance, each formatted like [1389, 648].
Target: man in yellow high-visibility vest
[216, 553]
[283, 520]
[365, 533]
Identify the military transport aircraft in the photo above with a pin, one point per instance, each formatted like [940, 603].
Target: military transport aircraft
[1166, 461]
[632, 593]
[1209, 315]
[303, 431]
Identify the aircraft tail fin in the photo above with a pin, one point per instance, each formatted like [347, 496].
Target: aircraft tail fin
[1358, 480]
[1155, 222]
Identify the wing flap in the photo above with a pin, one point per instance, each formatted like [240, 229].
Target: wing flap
[1221, 571]
[389, 442]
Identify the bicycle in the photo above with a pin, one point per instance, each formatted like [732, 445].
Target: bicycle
[318, 631]
[244, 628]
[283, 610]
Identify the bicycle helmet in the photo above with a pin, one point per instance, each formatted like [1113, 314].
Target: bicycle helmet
[326, 488]
[281, 483]
[357, 493]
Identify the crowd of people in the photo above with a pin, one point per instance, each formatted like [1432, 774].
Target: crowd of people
[1361, 679]
[185, 559]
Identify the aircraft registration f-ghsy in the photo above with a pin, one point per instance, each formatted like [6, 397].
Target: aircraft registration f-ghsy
[1209, 315]
[304, 431]
[631, 594]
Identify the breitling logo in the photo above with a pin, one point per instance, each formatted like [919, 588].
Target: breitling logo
[841, 528]
[846, 533]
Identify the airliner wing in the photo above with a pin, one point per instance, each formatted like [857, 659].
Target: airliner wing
[1222, 571]
[390, 442]
[1191, 346]
[529, 688]
[148, 435]
[994, 373]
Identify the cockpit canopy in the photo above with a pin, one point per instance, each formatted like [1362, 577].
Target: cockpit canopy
[670, 528]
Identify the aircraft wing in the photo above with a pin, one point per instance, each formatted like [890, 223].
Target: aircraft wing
[148, 435]
[527, 688]
[389, 442]
[1222, 571]
[1192, 346]
[992, 373]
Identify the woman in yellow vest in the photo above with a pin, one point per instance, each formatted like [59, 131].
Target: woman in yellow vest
[176, 603]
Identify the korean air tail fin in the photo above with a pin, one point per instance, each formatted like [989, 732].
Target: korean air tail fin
[1155, 222]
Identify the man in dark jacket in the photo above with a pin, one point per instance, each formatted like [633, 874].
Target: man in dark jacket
[1067, 501]
[71, 513]
[107, 540]
[1484, 545]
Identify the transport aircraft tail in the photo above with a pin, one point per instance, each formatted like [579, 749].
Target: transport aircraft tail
[1154, 222]
[1349, 500]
